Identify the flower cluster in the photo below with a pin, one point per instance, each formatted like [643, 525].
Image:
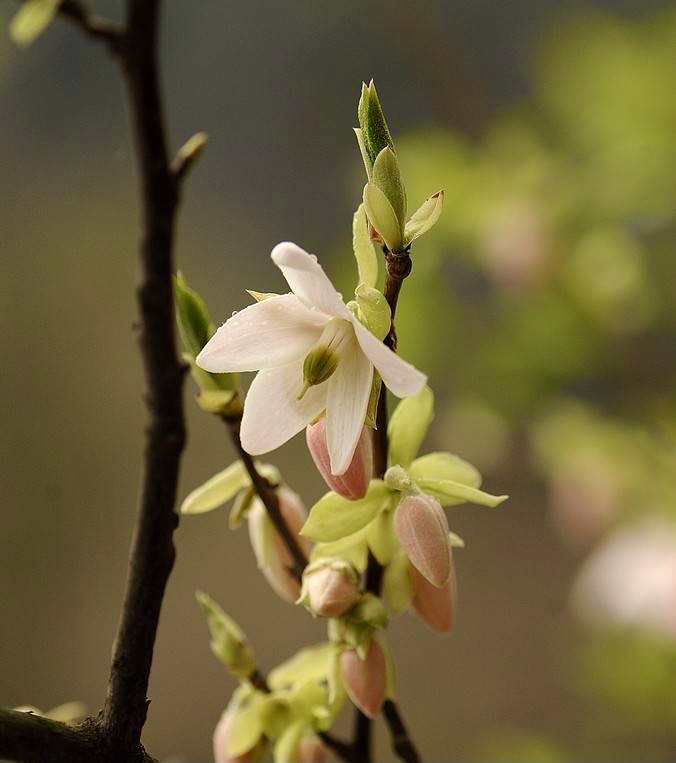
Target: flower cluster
[322, 366]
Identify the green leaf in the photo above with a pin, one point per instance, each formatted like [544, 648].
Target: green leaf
[397, 587]
[374, 311]
[192, 317]
[362, 150]
[353, 549]
[372, 121]
[408, 427]
[309, 699]
[424, 218]
[286, 747]
[445, 466]
[31, 20]
[387, 177]
[228, 640]
[364, 251]
[383, 218]
[311, 663]
[334, 517]
[217, 490]
[449, 493]
[390, 680]
[246, 728]
[276, 714]
[372, 408]
[381, 537]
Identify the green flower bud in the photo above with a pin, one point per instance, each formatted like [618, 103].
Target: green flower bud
[228, 641]
[375, 133]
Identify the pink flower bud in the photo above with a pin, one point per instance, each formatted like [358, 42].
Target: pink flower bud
[222, 734]
[365, 680]
[422, 528]
[275, 558]
[354, 482]
[311, 750]
[435, 606]
[330, 589]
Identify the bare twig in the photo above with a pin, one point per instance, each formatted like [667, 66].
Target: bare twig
[397, 268]
[269, 498]
[91, 24]
[152, 553]
[28, 738]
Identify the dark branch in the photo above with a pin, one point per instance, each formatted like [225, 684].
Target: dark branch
[152, 552]
[397, 268]
[28, 738]
[269, 498]
[92, 25]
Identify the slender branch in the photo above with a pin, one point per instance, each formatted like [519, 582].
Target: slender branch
[270, 501]
[91, 24]
[397, 268]
[28, 738]
[401, 741]
[152, 552]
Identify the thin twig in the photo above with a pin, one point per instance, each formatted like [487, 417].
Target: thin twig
[397, 268]
[269, 498]
[152, 552]
[91, 24]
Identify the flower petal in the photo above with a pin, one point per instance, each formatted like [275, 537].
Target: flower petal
[348, 397]
[399, 376]
[307, 280]
[272, 413]
[267, 334]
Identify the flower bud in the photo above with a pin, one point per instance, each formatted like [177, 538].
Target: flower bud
[422, 529]
[434, 606]
[365, 680]
[311, 750]
[330, 587]
[272, 555]
[222, 736]
[354, 482]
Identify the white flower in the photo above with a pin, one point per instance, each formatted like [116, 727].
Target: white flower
[275, 336]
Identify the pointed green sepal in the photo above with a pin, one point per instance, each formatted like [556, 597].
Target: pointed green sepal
[364, 251]
[228, 641]
[408, 427]
[424, 218]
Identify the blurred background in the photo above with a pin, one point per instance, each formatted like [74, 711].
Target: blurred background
[541, 306]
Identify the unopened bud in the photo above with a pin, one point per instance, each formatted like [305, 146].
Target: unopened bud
[435, 606]
[274, 559]
[422, 529]
[228, 641]
[330, 587]
[365, 680]
[354, 481]
[222, 741]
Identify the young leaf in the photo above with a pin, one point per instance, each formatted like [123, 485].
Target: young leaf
[334, 517]
[445, 466]
[246, 729]
[364, 251]
[374, 311]
[194, 324]
[449, 493]
[408, 427]
[387, 177]
[424, 218]
[383, 217]
[309, 664]
[381, 538]
[286, 747]
[31, 20]
[352, 549]
[217, 490]
[397, 587]
[228, 640]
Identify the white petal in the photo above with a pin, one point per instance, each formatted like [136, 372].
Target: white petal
[265, 335]
[348, 397]
[399, 376]
[307, 279]
[272, 412]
